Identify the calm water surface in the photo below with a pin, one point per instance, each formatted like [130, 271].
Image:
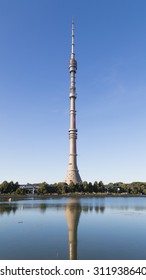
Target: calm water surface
[65, 228]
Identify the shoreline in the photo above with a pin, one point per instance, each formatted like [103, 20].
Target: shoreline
[70, 195]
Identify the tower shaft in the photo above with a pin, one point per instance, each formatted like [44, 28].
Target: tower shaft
[72, 173]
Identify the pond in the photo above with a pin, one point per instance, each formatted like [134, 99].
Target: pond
[73, 228]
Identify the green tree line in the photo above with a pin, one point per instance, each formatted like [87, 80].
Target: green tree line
[84, 187]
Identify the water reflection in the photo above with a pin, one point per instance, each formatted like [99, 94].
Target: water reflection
[8, 208]
[86, 205]
[84, 219]
[73, 212]
[72, 208]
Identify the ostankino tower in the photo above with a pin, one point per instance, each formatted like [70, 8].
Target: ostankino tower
[72, 173]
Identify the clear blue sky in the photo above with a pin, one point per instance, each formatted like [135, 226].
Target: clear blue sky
[35, 45]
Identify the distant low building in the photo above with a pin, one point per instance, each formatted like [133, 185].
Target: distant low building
[29, 187]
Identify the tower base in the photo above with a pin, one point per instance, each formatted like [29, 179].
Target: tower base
[73, 176]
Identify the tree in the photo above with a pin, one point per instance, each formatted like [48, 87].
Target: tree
[71, 187]
[5, 187]
[95, 187]
[143, 189]
[79, 187]
[90, 187]
[43, 189]
[101, 187]
[21, 191]
[85, 187]
[10, 187]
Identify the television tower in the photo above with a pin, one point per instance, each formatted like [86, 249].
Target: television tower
[72, 173]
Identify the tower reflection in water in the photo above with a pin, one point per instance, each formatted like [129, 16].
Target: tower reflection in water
[73, 212]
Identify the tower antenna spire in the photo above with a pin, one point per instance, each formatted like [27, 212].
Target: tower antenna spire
[73, 41]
